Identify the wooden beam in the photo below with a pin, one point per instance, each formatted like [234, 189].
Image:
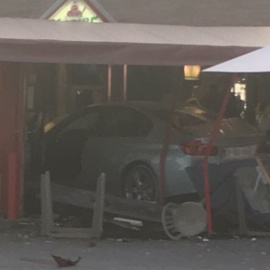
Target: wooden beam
[97, 222]
[47, 223]
[145, 211]
[242, 222]
[264, 172]
[46, 205]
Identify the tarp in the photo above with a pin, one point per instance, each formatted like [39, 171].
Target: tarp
[29, 40]
[254, 62]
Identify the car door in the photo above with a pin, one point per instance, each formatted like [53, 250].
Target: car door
[121, 133]
[65, 144]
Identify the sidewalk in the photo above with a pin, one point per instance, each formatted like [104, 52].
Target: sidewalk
[200, 254]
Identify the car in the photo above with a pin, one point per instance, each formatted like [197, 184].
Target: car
[125, 141]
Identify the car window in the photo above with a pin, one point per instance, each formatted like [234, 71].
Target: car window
[106, 124]
[123, 122]
[131, 123]
[86, 123]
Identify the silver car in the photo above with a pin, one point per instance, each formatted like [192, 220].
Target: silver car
[125, 141]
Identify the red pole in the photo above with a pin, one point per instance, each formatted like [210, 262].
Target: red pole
[212, 138]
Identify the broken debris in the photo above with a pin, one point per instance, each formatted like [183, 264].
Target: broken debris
[61, 262]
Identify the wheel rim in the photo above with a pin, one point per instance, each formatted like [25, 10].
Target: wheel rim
[140, 184]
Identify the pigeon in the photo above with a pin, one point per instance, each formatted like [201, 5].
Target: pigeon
[61, 262]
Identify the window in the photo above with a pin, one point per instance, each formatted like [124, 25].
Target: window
[85, 123]
[123, 122]
[131, 123]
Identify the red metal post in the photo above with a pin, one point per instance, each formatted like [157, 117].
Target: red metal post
[211, 142]
[11, 140]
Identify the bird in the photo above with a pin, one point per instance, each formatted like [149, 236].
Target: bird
[61, 262]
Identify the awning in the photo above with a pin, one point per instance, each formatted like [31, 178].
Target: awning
[28, 40]
[254, 62]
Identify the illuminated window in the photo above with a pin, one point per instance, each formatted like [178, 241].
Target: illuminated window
[192, 72]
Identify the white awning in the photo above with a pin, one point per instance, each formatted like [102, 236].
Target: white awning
[28, 40]
[254, 62]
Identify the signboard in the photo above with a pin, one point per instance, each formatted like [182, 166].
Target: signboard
[75, 10]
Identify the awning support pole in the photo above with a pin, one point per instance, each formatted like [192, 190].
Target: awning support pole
[125, 82]
[109, 83]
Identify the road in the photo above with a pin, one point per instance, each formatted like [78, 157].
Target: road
[18, 247]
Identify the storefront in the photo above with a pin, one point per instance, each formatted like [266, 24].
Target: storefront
[79, 85]
[22, 43]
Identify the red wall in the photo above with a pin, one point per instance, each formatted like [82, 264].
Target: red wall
[11, 134]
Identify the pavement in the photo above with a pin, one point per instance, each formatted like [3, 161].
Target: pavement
[21, 247]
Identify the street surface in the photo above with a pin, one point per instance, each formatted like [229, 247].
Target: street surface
[22, 248]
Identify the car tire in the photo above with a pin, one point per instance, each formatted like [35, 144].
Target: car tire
[139, 183]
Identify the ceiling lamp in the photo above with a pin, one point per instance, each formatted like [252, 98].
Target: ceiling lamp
[192, 72]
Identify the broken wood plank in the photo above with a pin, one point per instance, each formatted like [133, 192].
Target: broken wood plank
[47, 224]
[97, 223]
[263, 170]
[242, 221]
[145, 211]
[258, 234]
[46, 205]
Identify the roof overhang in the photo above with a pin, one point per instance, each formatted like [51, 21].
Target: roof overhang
[28, 40]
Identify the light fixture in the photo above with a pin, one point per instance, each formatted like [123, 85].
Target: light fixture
[192, 72]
